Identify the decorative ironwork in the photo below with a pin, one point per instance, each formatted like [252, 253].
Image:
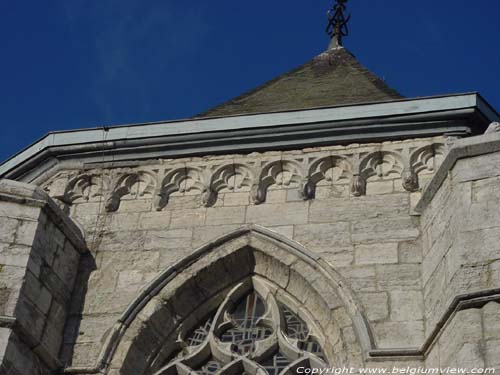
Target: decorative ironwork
[337, 25]
[251, 332]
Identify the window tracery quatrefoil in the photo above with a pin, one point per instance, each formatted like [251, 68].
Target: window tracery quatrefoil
[252, 332]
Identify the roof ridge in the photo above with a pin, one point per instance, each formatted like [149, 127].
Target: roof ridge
[318, 82]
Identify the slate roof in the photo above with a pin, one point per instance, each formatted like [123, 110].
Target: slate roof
[332, 78]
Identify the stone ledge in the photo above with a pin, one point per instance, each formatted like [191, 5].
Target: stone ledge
[26, 194]
[463, 148]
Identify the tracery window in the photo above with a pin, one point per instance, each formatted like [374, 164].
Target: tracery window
[253, 331]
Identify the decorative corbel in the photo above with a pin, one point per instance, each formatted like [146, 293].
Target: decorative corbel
[257, 193]
[410, 179]
[208, 196]
[307, 189]
[358, 185]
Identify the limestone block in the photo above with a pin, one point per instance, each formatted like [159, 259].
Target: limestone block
[65, 264]
[482, 215]
[272, 269]
[237, 199]
[108, 302]
[338, 256]
[83, 354]
[470, 356]
[182, 202]
[331, 192]
[204, 235]
[379, 187]
[465, 328]
[410, 251]
[323, 235]
[376, 305]
[111, 262]
[276, 196]
[25, 233]
[491, 321]
[19, 211]
[135, 205]
[154, 220]
[385, 229]
[54, 329]
[359, 208]
[123, 221]
[8, 232]
[361, 279]
[278, 214]
[31, 319]
[401, 276]
[435, 296]
[11, 280]
[301, 275]
[89, 328]
[37, 293]
[14, 255]
[406, 305]
[477, 167]
[188, 218]
[380, 253]
[492, 353]
[88, 208]
[168, 257]
[225, 215]
[486, 190]
[293, 195]
[122, 241]
[399, 334]
[284, 230]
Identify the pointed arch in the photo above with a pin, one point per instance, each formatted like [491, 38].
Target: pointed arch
[181, 297]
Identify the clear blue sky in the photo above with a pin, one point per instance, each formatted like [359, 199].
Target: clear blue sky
[69, 64]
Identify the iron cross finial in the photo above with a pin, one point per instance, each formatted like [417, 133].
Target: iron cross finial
[337, 25]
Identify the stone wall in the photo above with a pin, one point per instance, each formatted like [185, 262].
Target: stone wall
[39, 255]
[352, 205]
[461, 236]
[470, 340]
[423, 269]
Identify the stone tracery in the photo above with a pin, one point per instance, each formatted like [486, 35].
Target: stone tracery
[252, 331]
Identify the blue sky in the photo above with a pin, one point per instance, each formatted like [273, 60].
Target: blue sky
[68, 64]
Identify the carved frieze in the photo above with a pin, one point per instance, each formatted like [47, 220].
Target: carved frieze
[254, 175]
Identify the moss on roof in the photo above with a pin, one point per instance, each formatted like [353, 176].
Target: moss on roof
[333, 78]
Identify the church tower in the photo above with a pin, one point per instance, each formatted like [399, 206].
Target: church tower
[319, 221]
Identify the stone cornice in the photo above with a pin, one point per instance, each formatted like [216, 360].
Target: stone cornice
[373, 122]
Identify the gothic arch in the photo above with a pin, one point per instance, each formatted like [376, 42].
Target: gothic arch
[150, 332]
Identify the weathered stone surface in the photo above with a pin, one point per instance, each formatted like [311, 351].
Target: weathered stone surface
[376, 305]
[188, 218]
[406, 305]
[226, 215]
[278, 214]
[410, 251]
[404, 276]
[379, 187]
[323, 235]
[358, 208]
[381, 253]
[384, 229]
[491, 321]
[399, 334]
